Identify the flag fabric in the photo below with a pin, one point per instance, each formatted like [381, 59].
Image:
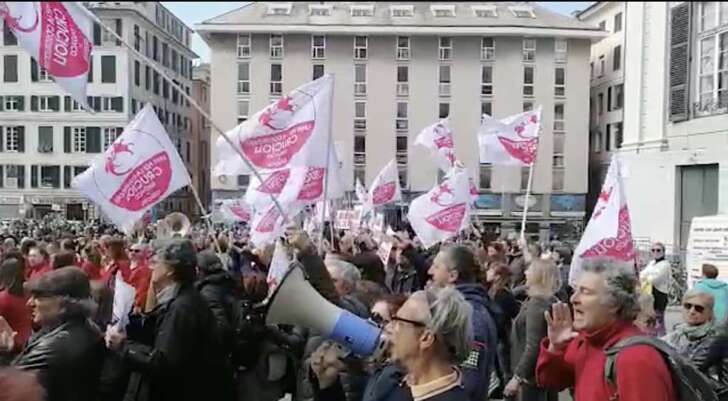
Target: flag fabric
[279, 265]
[609, 231]
[512, 141]
[58, 35]
[267, 225]
[441, 213]
[439, 140]
[291, 132]
[361, 193]
[236, 210]
[385, 187]
[138, 170]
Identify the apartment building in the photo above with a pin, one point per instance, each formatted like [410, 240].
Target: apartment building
[201, 132]
[399, 67]
[46, 138]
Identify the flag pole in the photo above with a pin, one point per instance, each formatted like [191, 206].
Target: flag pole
[525, 204]
[205, 216]
[328, 175]
[189, 98]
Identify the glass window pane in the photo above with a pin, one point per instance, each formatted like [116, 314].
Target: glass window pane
[402, 73]
[708, 14]
[360, 109]
[359, 144]
[402, 41]
[559, 143]
[558, 111]
[559, 76]
[487, 74]
[444, 110]
[401, 144]
[444, 73]
[360, 73]
[275, 72]
[487, 42]
[528, 75]
[243, 71]
[401, 110]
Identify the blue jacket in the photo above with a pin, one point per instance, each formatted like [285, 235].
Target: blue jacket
[476, 369]
[719, 290]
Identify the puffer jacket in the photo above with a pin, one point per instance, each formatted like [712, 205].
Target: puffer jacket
[476, 368]
[66, 359]
[712, 359]
[219, 290]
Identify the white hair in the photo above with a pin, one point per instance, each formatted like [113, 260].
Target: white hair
[344, 271]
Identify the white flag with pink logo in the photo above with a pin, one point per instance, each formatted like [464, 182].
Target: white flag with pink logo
[441, 213]
[609, 231]
[439, 140]
[58, 35]
[512, 141]
[138, 170]
[385, 188]
[267, 225]
[361, 193]
[236, 210]
[290, 132]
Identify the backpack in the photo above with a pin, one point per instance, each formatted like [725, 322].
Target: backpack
[690, 384]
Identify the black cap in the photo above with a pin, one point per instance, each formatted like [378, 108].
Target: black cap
[67, 281]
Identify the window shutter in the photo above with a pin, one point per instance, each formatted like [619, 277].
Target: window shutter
[21, 103]
[21, 176]
[67, 177]
[33, 70]
[2, 176]
[93, 140]
[117, 104]
[34, 176]
[90, 68]
[67, 139]
[118, 30]
[67, 103]
[2, 139]
[97, 34]
[2, 104]
[21, 139]
[34, 103]
[54, 103]
[679, 61]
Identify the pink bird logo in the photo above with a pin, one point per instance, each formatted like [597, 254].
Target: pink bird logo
[602, 201]
[115, 151]
[268, 117]
[443, 191]
[15, 22]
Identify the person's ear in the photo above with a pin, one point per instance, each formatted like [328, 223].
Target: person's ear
[453, 278]
[427, 340]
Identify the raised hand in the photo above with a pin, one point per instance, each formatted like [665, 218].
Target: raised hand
[7, 336]
[560, 326]
[326, 363]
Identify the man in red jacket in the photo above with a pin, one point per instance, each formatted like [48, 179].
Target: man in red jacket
[38, 263]
[605, 304]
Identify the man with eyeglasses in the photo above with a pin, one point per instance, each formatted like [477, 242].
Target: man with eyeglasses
[658, 275]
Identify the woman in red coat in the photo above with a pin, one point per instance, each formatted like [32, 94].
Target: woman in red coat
[118, 262]
[13, 303]
[91, 262]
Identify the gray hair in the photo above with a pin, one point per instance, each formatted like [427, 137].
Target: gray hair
[694, 293]
[621, 285]
[451, 319]
[345, 271]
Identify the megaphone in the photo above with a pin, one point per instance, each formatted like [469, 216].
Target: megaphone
[296, 302]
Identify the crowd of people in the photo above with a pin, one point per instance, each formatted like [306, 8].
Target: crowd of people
[474, 319]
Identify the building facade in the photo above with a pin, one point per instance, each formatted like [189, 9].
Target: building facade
[46, 138]
[675, 143]
[400, 67]
[606, 101]
[201, 132]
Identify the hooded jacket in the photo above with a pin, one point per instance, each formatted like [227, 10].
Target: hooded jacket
[719, 290]
[476, 368]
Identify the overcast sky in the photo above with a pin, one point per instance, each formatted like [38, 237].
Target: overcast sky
[193, 12]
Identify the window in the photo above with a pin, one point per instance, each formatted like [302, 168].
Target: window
[713, 70]
[10, 73]
[561, 47]
[48, 103]
[524, 178]
[107, 38]
[14, 176]
[360, 79]
[439, 11]
[79, 139]
[359, 150]
[137, 73]
[318, 46]
[557, 183]
[402, 80]
[558, 117]
[360, 47]
[617, 129]
[617, 22]
[560, 82]
[617, 58]
[402, 11]
[360, 115]
[444, 110]
[445, 48]
[443, 88]
[362, 11]
[618, 96]
[110, 134]
[155, 48]
[319, 10]
[529, 49]
[527, 106]
[243, 110]
[243, 45]
[13, 103]
[401, 149]
[50, 176]
[279, 8]
[487, 49]
[402, 176]
[38, 73]
[486, 108]
[600, 103]
[602, 66]
[522, 11]
[137, 38]
[12, 139]
[147, 78]
[608, 143]
[276, 46]
[402, 121]
[609, 98]
[710, 17]
[108, 69]
[9, 38]
[165, 89]
[597, 142]
[276, 79]
[482, 11]
[243, 78]
[528, 80]
[165, 54]
[243, 180]
[486, 175]
[486, 80]
[403, 47]
[318, 71]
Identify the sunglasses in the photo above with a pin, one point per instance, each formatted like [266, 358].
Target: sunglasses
[698, 308]
[657, 250]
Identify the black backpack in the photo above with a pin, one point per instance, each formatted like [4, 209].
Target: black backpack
[690, 384]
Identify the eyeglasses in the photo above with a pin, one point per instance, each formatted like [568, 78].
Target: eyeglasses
[657, 250]
[412, 322]
[698, 308]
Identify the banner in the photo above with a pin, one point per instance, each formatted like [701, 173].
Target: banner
[58, 36]
[609, 231]
[279, 265]
[140, 169]
[291, 132]
[512, 141]
[385, 249]
[441, 213]
[439, 140]
[236, 210]
[347, 219]
[385, 188]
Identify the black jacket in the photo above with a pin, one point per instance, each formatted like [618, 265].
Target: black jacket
[370, 266]
[176, 354]
[66, 359]
[403, 281]
[712, 359]
[219, 290]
